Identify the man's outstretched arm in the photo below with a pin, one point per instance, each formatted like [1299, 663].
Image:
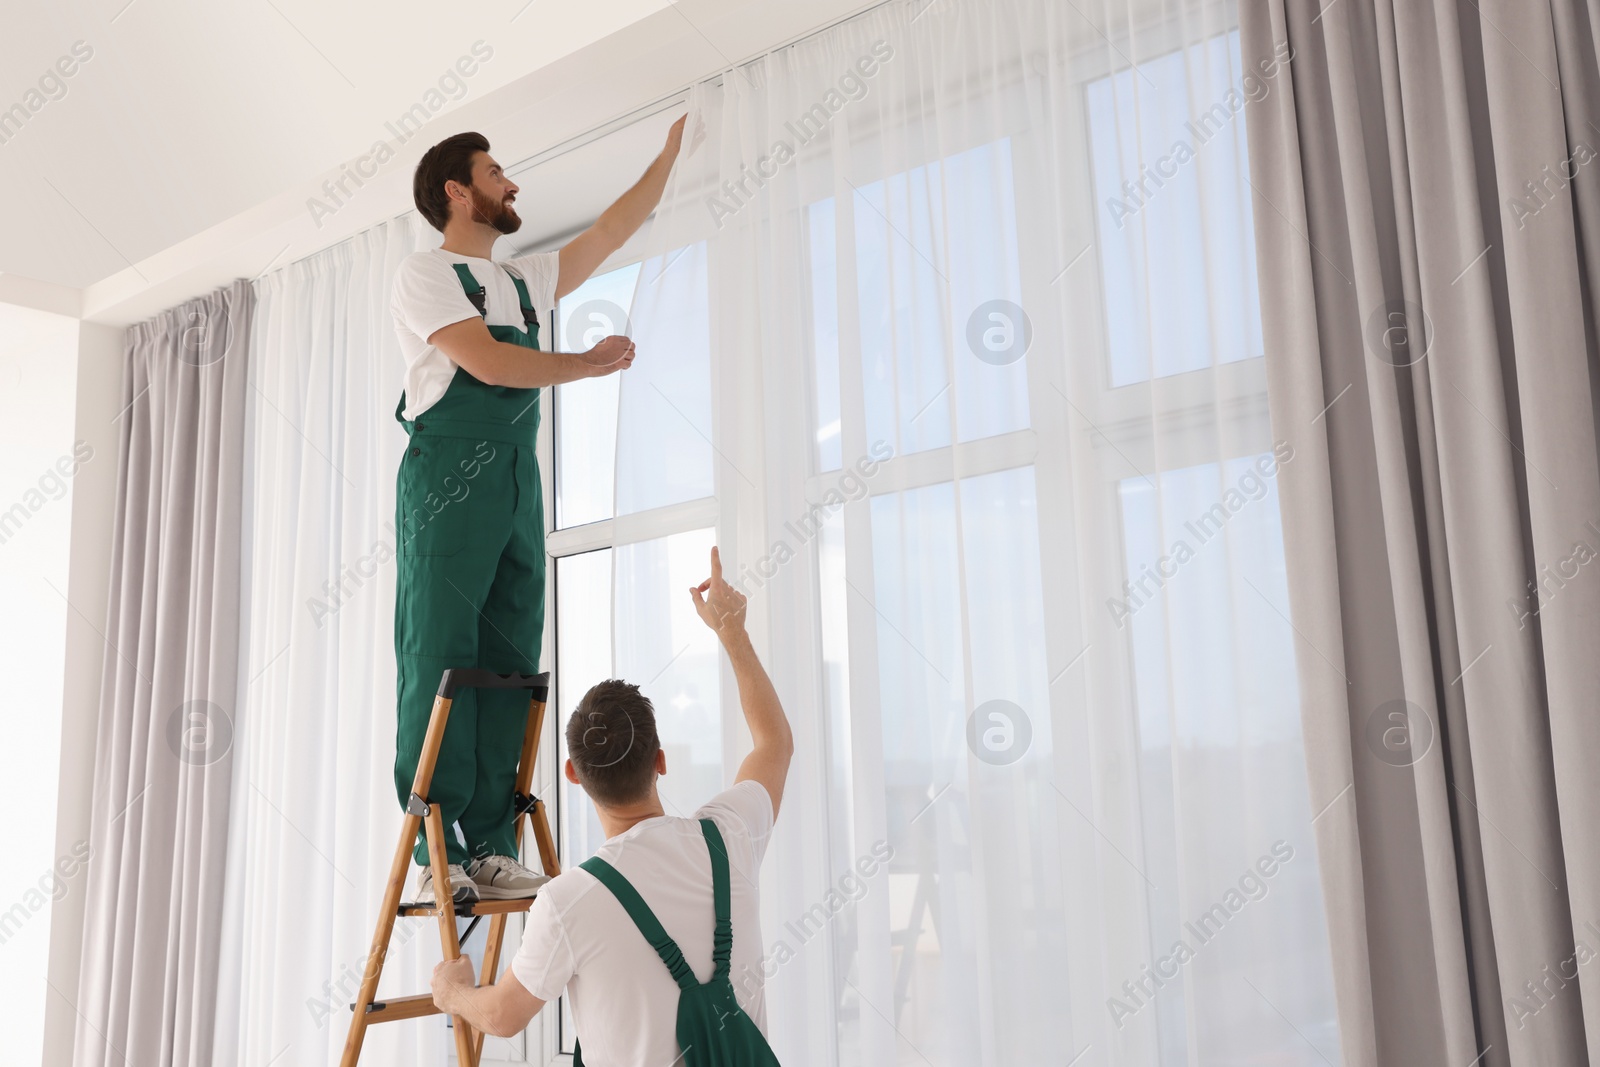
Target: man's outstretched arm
[723, 609]
[582, 255]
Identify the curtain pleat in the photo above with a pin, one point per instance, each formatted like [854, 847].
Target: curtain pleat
[164, 757]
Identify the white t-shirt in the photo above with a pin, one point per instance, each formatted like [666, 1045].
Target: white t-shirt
[580, 939]
[427, 296]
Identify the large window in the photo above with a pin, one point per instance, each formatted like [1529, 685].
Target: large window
[1158, 439]
[1017, 687]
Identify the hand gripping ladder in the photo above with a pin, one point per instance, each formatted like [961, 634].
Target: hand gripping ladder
[419, 814]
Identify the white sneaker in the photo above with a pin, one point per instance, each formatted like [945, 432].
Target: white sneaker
[503, 878]
[462, 887]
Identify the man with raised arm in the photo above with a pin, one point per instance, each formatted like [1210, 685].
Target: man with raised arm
[644, 936]
[469, 510]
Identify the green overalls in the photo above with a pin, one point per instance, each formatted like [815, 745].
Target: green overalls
[713, 1031]
[469, 592]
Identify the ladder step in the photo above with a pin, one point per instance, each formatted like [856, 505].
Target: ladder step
[396, 1008]
[481, 907]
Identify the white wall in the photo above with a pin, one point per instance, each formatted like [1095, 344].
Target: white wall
[38, 469]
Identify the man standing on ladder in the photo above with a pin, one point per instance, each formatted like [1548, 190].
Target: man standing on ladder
[469, 509]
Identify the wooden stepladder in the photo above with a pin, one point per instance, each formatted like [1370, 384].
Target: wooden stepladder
[422, 814]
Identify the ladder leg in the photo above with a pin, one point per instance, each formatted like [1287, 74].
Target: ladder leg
[541, 828]
[547, 845]
[495, 938]
[380, 940]
[444, 904]
[389, 909]
[530, 744]
[431, 741]
[491, 963]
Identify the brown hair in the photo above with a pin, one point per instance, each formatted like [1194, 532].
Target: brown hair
[449, 160]
[612, 742]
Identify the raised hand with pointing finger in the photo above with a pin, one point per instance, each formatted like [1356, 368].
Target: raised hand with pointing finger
[721, 606]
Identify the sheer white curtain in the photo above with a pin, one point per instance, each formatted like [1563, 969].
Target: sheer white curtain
[315, 815]
[948, 334]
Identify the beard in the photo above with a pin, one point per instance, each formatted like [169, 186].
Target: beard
[496, 213]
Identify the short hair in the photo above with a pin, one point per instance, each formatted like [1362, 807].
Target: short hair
[612, 742]
[449, 160]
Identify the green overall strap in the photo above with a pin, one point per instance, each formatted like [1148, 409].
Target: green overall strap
[644, 919]
[474, 291]
[712, 1029]
[530, 317]
[722, 946]
[480, 300]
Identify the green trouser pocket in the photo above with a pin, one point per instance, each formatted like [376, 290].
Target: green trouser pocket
[439, 477]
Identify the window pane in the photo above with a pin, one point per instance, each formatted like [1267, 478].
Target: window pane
[586, 411]
[1177, 248]
[660, 645]
[938, 286]
[1217, 709]
[987, 330]
[950, 926]
[583, 657]
[917, 603]
[664, 430]
[664, 648]
[1008, 799]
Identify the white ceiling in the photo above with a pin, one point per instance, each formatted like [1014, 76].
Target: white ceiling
[184, 151]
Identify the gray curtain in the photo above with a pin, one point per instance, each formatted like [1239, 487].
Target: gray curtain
[163, 762]
[1427, 212]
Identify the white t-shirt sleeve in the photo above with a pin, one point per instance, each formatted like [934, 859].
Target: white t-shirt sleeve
[744, 814]
[428, 296]
[541, 270]
[544, 963]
